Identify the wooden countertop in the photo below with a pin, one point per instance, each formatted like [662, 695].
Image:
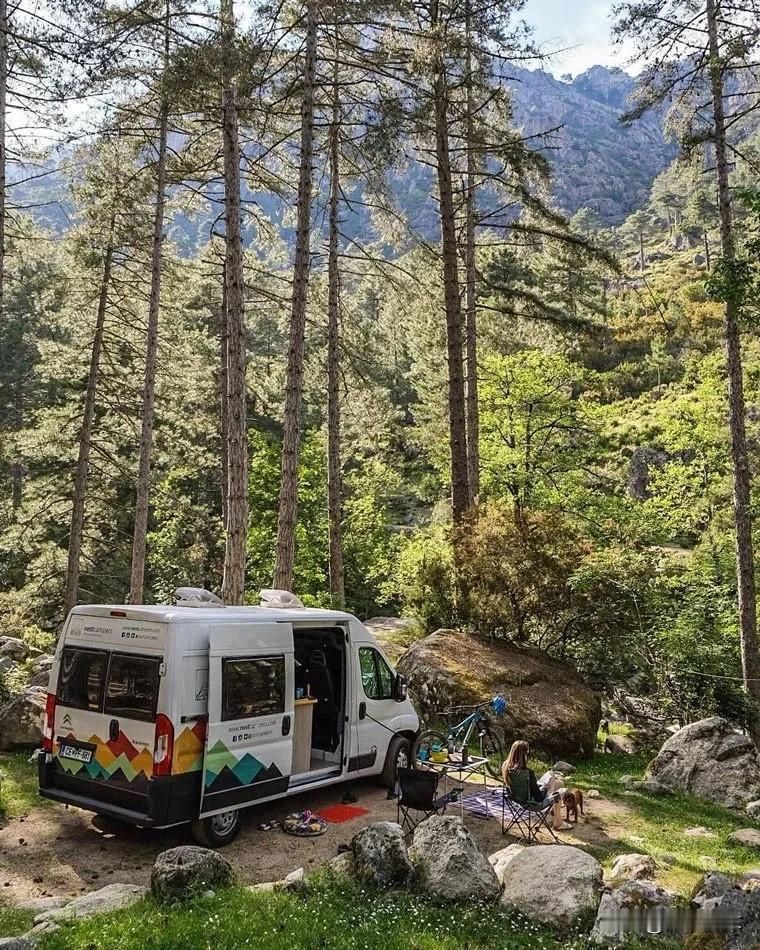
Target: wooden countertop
[305, 701]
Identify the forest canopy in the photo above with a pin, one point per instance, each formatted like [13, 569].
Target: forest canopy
[235, 352]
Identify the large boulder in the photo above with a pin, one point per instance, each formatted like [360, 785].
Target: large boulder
[632, 867]
[501, 858]
[14, 647]
[553, 883]
[380, 855]
[549, 705]
[712, 760]
[187, 870]
[623, 909]
[22, 719]
[740, 905]
[103, 901]
[449, 864]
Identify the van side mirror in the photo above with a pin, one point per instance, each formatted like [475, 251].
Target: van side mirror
[400, 688]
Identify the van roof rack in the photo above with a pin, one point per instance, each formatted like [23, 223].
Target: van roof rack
[196, 597]
[283, 599]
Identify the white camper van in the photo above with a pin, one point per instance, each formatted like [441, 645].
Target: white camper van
[158, 715]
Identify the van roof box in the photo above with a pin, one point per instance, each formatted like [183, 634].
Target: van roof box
[282, 599]
[196, 597]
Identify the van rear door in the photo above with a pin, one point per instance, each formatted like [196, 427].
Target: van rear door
[109, 676]
[249, 741]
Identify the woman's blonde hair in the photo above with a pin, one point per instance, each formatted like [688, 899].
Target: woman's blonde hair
[517, 759]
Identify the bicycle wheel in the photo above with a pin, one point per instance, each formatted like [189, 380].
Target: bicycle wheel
[491, 748]
[425, 746]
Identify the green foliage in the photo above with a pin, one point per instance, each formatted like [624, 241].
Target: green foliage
[536, 434]
[333, 913]
[15, 922]
[423, 579]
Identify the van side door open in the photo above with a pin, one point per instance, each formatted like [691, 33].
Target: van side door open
[249, 740]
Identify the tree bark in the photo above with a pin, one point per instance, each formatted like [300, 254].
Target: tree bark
[452, 302]
[223, 407]
[137, 579]
[233, 582]
[291, 439]
[745, 565]
[85, 436]
[471, 330]
[334, 481]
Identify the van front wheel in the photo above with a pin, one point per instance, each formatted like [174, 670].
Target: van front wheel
[218, 830]
[397, 757]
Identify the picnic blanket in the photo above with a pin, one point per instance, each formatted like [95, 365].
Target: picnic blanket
[485, 804]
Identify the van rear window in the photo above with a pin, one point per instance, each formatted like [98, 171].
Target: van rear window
[132, 687]
[80, 681]
[122, 685]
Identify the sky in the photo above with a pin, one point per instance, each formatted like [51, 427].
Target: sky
[580, 27]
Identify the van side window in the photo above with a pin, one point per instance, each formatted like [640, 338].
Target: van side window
[80, 681]
[377, 678]
[253, 687]
[132, 687]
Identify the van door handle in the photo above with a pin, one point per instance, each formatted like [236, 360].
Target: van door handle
[113, 730]
[362, 710]
[286, 725]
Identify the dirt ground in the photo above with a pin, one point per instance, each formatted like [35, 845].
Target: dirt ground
[63, 851]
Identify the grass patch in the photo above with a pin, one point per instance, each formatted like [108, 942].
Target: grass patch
[14, 922]
[655, 825]
[332, 914]
[19, 787]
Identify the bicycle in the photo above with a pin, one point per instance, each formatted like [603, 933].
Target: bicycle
[432, 746]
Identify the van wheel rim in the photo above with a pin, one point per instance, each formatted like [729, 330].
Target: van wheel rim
[402, 759]
[224, 823]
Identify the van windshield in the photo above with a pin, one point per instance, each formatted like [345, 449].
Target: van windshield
[122, 685]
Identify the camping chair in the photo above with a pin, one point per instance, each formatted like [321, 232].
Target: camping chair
[521, 813]
[417, 790]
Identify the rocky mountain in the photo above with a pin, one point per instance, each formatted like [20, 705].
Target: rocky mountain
[597, 162]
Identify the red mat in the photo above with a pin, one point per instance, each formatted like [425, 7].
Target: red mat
[339, 813]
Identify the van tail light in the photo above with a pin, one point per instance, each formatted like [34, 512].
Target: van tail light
[163, 747]
[49, 730]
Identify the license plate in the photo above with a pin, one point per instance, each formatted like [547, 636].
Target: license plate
[75, 752]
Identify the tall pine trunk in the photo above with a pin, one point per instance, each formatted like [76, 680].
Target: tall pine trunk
[471, 318]
[452, 302]
[233, 582]
[291, 437]
[745, 566]
[85, 436]
[223, 390]
[334, 481]
[142, 503]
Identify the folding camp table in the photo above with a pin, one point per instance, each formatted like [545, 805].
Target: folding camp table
[458, 775]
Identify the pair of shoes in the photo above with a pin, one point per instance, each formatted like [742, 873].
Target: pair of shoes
[565, 826]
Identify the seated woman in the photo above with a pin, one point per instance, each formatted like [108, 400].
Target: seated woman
[543, 792]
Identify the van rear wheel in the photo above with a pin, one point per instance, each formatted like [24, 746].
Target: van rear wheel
[397, 757]
[218, 830]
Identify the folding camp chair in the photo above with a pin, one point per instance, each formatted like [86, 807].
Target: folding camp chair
[520, 812]
[417, 790]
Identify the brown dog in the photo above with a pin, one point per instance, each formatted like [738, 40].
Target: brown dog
[573, 802]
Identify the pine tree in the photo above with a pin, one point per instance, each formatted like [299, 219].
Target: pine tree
[691, 53]
[291, 441]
